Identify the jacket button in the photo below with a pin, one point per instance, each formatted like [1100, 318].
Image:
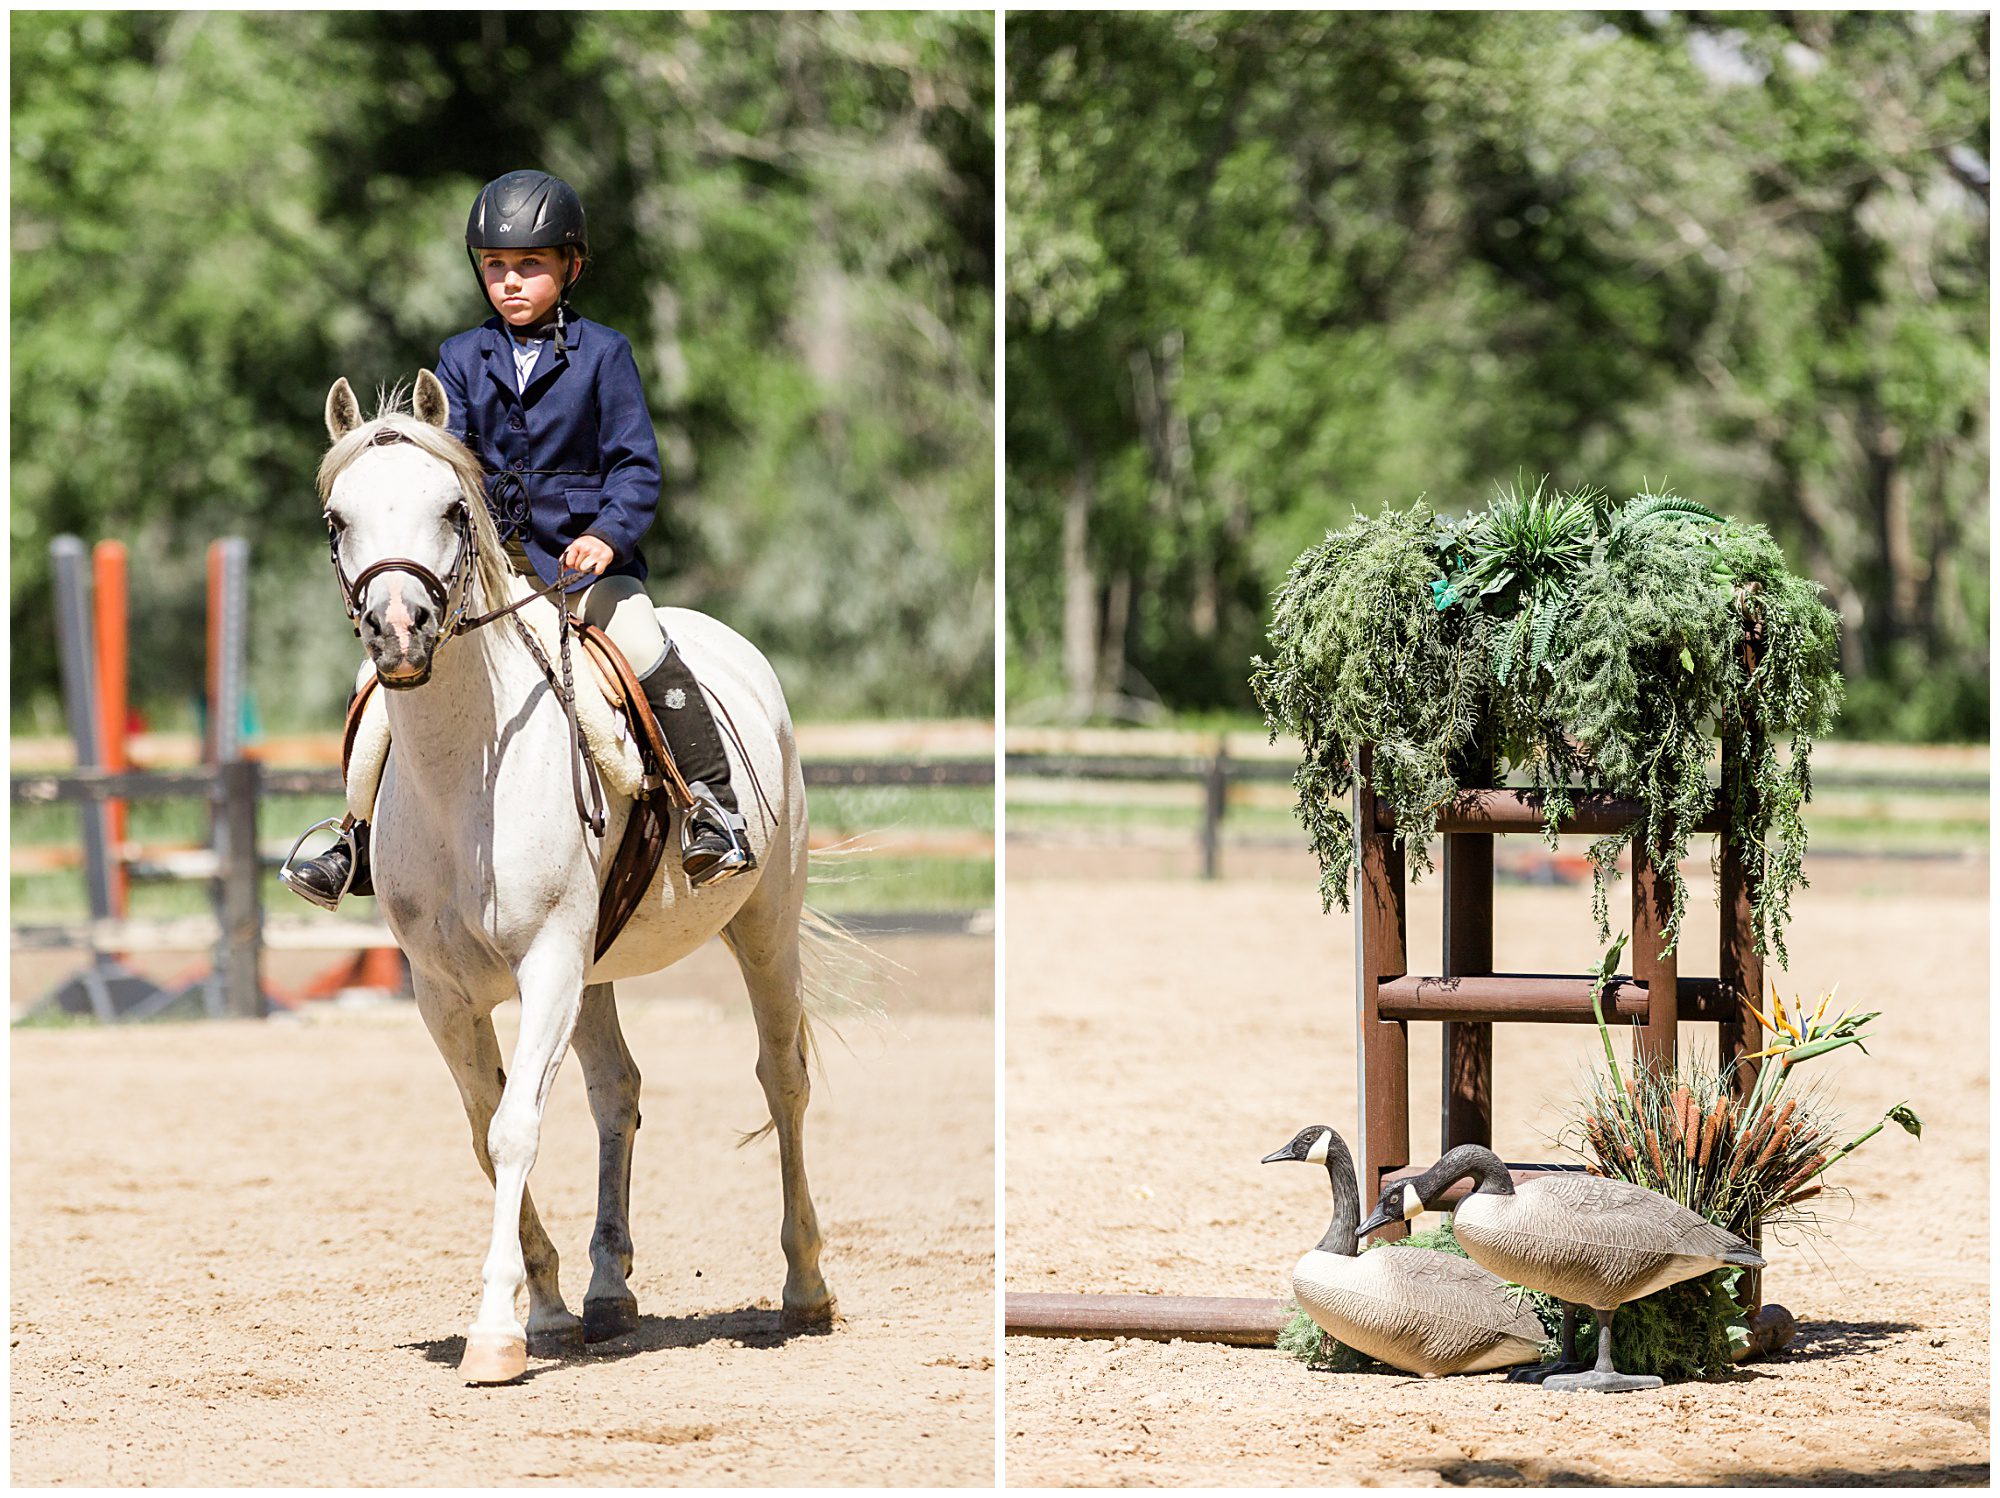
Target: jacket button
[515, 422]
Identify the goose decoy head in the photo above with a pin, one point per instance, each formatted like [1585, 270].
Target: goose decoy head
[1398, 1203]
[1309, 1146]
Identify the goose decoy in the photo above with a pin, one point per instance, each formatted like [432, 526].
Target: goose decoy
[1424, 1312]
[1586, 1240]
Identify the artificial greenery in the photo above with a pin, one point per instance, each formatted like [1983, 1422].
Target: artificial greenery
[1686, 1331]
[1584, 643]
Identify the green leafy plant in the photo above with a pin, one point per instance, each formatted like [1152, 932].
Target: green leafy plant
[1523, 552]
[1648, 630]
[1683, 1132]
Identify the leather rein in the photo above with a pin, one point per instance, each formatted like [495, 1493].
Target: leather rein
[442, 591]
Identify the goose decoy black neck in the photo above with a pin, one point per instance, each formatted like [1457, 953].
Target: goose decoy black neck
[1406, 1199]
[1317, 1145]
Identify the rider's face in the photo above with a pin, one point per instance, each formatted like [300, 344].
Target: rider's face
[523, 285]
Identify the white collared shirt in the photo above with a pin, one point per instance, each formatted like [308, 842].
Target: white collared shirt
[526, 352]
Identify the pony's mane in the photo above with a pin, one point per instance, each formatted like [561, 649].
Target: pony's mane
[392, 413]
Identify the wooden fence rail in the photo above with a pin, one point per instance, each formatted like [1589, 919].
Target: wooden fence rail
[234, 790]
[1217, 771]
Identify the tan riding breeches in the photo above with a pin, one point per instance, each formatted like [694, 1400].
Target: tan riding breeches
[619, 606]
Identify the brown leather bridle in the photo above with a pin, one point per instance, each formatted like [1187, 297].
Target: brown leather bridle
[440, 590]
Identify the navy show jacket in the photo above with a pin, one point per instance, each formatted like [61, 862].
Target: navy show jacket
[573, 453]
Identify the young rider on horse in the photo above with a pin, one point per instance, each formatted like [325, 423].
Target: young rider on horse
[551, 404]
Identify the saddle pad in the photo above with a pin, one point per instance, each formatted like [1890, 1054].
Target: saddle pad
[623, 687]
[364, 747]
[604, 728]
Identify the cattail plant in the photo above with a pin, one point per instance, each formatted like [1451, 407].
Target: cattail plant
[1684, 1134]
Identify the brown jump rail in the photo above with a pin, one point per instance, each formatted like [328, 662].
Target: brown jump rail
[1541, 998]
[1156, 1318]
[1507, 810]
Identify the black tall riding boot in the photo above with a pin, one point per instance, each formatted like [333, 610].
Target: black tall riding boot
[713, 842]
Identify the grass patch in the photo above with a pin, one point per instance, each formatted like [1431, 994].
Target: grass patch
[864, 884]
[860, 808]
[40, 1018]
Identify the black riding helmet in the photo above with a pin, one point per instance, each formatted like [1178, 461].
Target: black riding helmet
[526, 211]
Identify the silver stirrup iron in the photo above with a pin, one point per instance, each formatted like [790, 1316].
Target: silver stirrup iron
[714, 814]
[336, 824]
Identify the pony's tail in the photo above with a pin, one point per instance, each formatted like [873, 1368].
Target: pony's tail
[839, 974]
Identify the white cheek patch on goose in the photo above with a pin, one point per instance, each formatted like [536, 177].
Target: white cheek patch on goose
[1413, 1204]
[1317, 1154]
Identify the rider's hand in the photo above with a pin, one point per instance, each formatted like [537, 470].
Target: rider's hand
[588, 554]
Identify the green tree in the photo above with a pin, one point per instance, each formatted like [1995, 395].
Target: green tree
[216, 214]
[1264, 269]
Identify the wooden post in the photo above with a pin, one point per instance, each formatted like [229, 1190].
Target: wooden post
[76, 637]
[1468, 952]
[228, 633]
[239, 896]
[1213, 806]
[1652, 908]
[1740, 969]
[1380, 951]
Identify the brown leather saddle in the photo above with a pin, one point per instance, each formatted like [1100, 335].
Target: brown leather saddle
[646, 830]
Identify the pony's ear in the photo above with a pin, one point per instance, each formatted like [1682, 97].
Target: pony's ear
[432, 405]
[343, 411]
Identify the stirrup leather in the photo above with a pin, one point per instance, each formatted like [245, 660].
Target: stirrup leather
[345, 827]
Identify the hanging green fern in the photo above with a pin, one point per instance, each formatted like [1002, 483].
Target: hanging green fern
[1585, 643]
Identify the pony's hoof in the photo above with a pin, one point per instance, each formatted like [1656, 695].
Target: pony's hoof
[821, 1316]
[612, 1316]
[559, 1337]
[493, 1358]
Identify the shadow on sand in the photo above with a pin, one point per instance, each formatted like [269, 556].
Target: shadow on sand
[749, 1326]
[1817, 1341]
[1498, 1474]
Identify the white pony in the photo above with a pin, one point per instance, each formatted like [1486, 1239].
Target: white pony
[489, 879]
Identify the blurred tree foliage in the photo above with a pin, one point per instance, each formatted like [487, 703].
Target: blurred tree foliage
[1265, 269]
[791, 217]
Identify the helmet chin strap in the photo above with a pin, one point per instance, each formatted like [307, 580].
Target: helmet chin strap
[555, 325]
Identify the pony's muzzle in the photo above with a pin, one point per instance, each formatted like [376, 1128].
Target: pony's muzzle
[401, 636]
